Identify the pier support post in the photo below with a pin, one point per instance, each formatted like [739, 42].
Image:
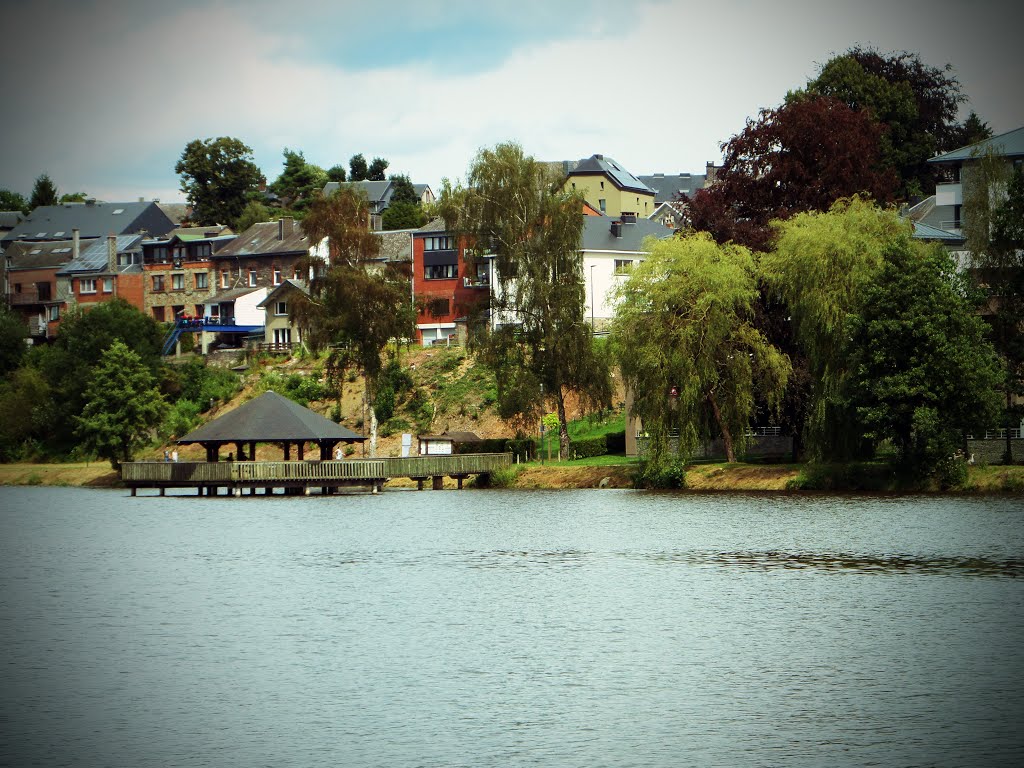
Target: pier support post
[438, 483]
[134, 489]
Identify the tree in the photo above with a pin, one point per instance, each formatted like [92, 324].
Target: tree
[922, 370]
[336, 173]
[916, 105]
[43, 193]
[13, 333]
[403, 215]
[537, 341]
[253, 213]
[378, 166]
[13, 201]
[993, 227]
[684, 338]
[26, 412]
[819, 268]
[218, 176]
[972, 131]
[299, 182]
[73, 197]
[353, 306]
[357, 169]
[122, 406]
[802, 156]
[402, 190]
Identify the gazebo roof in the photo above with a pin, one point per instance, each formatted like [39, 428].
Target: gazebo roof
[270, 418]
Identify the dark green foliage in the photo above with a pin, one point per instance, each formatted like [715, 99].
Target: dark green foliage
[402, 215]
[299, 182]
[218, 176]
[585, 448]
[203, 384]
[296, 387]
[13, 333]
[73, 197]
[384, 402]
[26, 413]
[122, 405]
[43, 193]
[357, 169]
[377, 169]
[182, 417]
[336, 173]
[402, 190]
[13, 201]
[922, 370]
[668, 474]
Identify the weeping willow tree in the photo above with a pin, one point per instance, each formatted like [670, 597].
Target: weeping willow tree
[684, 338]
[536, 339]
[820, 267]
[355, 305]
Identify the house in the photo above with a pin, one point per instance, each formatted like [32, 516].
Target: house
[670, 189]
[179, 276]
[378, 194]
[447, 286]
[106, 268]
[92, 219]
[610, 188]
[446, 443]
[943, 211]
[31, 270]
[281, 334]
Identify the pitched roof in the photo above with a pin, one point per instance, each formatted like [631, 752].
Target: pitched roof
[455, 437]
[54, 253]
[92, 219]
[598, 236]
[926, 232]
[668, 186]
[621, 178]
[287, 285]
[1009, 144]
[375, 191]
[94, 257]
[11, 219]
[269, 418]
[266, 238]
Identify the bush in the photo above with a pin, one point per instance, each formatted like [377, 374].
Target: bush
[182, 418]
[668, 474]
[499, 478]
[584, 449]
[384, 403]
[616, 442]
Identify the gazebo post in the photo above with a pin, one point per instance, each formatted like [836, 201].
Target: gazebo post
[240, 450]
[302, 446]
[287, 451]
[252, 451]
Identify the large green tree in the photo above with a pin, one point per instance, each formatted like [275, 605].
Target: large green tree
[122, 406]
[922, 369]
[354, 306]
[684, 338]
[819, 267]
[13, 201]
[299, 182]
[218, 176]
[44, 192]
[13, 334]
[537, 340]
[26, 413]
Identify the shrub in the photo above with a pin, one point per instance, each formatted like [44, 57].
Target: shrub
[499, 478]
[384, 403]
[616, 442]
[182, 418]
[584, 449]
[670, 473]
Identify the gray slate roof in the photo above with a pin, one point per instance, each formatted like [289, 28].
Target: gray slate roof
[94, 257]
[622, 178]
[270, 418]
[1009, 144]
[55, 222]
[287, 285]
[597, 234]
[264, 239]
[668, 186]
[926, 232]
[24, 255]
[11, 219]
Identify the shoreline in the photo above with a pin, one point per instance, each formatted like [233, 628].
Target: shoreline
[700, 478]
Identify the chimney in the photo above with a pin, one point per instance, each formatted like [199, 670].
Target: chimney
[616, 228]
[599, 157]
[111, 253]
[142, 199]
[75, 243]
[709, 174]
[629, 218]
[284, 227]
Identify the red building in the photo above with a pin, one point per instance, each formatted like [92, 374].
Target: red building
[446, 288]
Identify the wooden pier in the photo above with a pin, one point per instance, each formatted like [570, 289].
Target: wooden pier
[298, 477]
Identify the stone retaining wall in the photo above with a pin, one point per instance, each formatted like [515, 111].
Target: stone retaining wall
[991, 451]
[759, 447]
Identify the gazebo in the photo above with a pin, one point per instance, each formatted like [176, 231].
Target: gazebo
[270, 418]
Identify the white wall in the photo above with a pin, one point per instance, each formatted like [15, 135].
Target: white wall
[246, 311]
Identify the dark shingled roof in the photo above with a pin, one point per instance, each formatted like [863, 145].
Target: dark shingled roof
[620, 177]
[1009, 144]
[55, 222]
[267, 238]
[598, 236]
[55, 253]
[270, 418]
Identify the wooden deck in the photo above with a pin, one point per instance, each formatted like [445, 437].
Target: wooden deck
[238, 476]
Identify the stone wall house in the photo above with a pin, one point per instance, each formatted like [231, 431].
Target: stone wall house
[178, 271]
[264, 256]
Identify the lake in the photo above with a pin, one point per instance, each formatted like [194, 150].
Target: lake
[510, 628]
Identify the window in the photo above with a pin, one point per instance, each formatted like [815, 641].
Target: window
[602, 185]
[180, 253]
[623, 266]
[178, 282]
[282, 335]
[252, 277]
[281, 308]
[202, 280]
[225, 278]
[277, 275]
[295, 273]
[200, 310]
[53, 313]
[158, 282]
[203, 250]
[160, 255]
[158, 314]
[215, 311]
[437, 307]
[440, 243]
[601, 204]
[108, 285]
[441, 272]
[86, 285]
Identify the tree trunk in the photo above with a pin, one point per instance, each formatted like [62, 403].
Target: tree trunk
[563, 427]
[373, 433]
[730, 453]
[1008, 453]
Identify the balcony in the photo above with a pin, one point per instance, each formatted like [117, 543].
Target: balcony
[949, 194]
[480, 282]
[27, 296]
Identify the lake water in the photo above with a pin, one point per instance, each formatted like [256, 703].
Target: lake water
[502, 628]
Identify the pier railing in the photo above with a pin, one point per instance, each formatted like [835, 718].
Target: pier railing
[186, 473]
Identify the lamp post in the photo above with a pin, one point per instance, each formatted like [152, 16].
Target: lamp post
[593, 328]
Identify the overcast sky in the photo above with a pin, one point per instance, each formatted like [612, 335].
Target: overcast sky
[104, 95]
